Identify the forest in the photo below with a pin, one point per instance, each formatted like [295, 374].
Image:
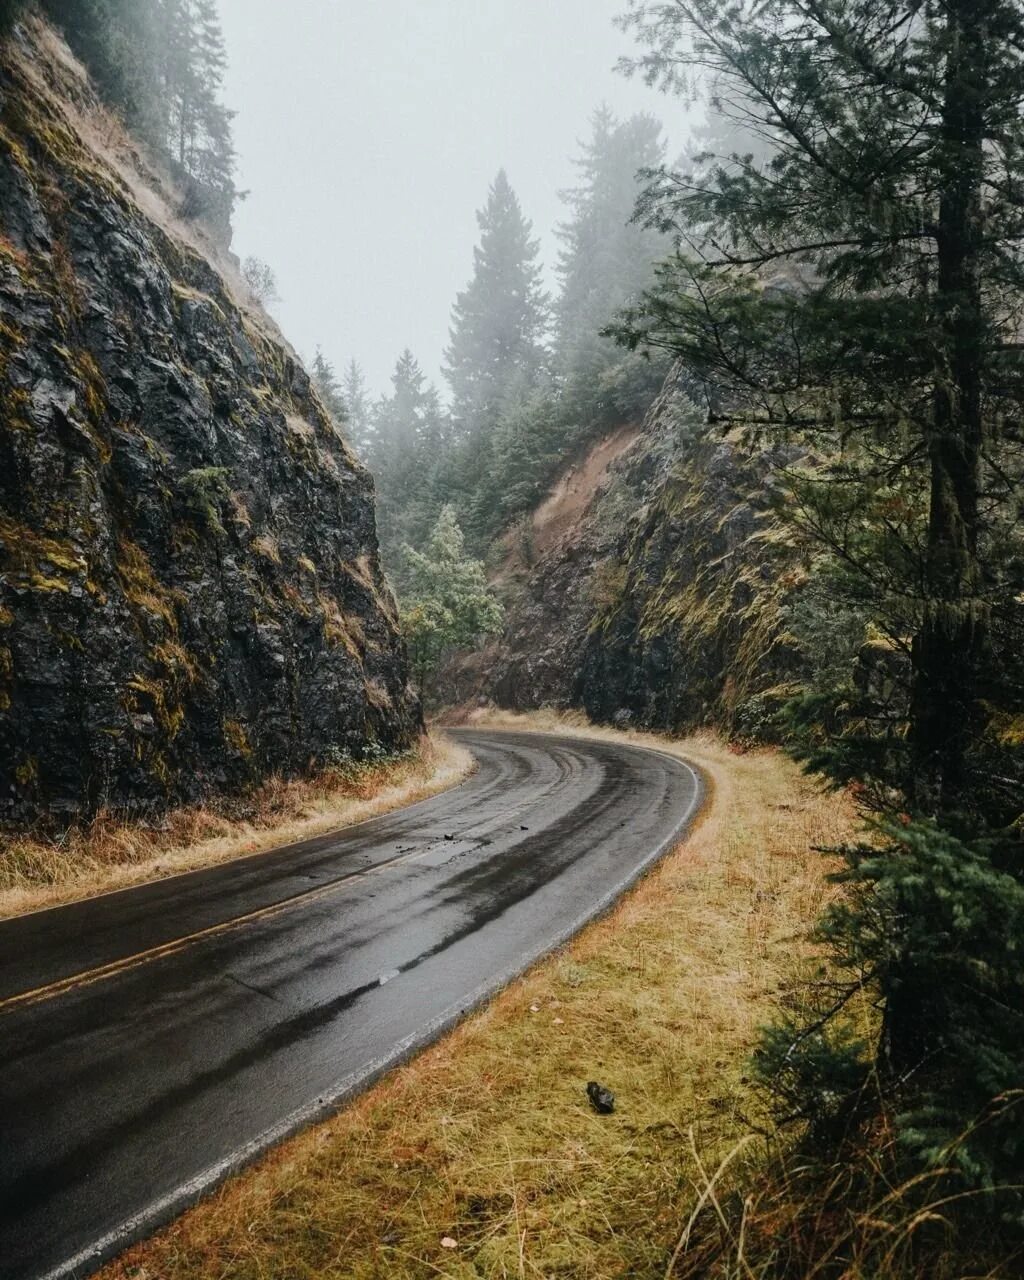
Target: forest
[532, 380]
[860, 290]
[831, 278]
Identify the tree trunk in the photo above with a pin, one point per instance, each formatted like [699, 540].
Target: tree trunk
[952, 640]
[950, 646]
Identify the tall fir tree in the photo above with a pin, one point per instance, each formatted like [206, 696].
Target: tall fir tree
[328, 387]
[448, 604]
[162, 63]
[357, 405]
[197, 126]
[409, 436]
[499, 319]
[607, 260]
[895, 295]
[527, 448]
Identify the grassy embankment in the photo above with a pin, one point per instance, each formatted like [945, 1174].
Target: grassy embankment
[113, 853]
[482, 1157]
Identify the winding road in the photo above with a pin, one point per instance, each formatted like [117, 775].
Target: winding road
[156, 1039]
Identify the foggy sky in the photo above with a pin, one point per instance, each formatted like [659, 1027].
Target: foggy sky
[368, 132]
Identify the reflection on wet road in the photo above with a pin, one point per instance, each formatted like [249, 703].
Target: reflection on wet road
[155, 1039]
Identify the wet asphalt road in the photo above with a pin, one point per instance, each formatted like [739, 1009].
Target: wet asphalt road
[153, 1040]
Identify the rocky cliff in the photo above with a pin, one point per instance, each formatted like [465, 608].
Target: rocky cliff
[190, 593]
[689, 619]
[666, 604]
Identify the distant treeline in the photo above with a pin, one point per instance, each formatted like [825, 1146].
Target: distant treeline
[531, 379]
[160, 63]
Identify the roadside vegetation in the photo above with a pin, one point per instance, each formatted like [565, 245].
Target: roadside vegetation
[847, 277]
[114, 851]
[448, 604]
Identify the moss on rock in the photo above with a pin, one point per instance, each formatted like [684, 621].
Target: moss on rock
[167, 537]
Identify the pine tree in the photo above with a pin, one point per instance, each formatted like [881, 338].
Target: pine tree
[528, 445]
[887, 224]
[409, 437]
[448, 604]
[197, 127]
[214, 160]
[498, 320]
[180, 75]
[357, 405]
[407, 419]
[607, 260]
[162, 63]
[328, 388]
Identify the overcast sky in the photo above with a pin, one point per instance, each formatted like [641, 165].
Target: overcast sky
[368, 132]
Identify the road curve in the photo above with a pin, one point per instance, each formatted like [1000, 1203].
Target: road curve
[156, 1039]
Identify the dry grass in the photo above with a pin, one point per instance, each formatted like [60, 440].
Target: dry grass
[113, 853]
[858, 1216]
[482, 1158]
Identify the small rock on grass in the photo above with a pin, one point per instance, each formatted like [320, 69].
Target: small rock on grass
[601, 1098]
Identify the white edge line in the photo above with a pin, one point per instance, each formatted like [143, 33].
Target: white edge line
[169, 1207]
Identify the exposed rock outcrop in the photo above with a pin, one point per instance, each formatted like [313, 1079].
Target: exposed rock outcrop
[690, 627]
[549, 589]
[666, 605]
[190, 593]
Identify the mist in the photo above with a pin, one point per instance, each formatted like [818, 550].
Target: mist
[368, 134]
[598, 574]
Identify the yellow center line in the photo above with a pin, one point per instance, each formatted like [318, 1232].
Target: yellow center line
[90, 977]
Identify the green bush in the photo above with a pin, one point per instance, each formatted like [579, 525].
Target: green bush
[932, 928]
[204, 490]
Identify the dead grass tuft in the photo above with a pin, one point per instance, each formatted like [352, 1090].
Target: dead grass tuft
[113, 853]
[856, 1216]
[482, 1158]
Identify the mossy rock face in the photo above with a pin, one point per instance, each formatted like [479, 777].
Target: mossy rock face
[697, 633]
[150, 650]
[666, 607]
